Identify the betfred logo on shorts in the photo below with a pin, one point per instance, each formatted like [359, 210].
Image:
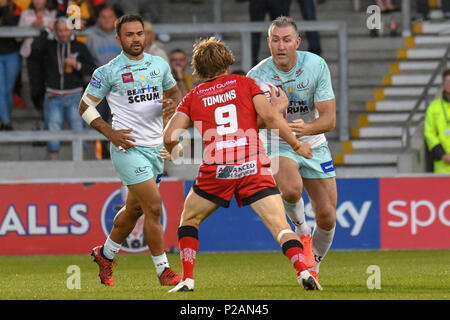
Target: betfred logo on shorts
[415, 213]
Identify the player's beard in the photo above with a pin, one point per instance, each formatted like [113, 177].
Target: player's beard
[132, 51]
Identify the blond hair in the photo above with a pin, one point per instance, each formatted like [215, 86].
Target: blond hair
[211, 58]
[283, 21]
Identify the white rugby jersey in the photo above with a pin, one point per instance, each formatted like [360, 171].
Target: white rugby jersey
[133, 89]
[306, 83]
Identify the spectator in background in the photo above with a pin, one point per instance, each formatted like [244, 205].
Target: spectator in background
[423, 9]
[308, 9]
[101, 38]
[66, 61]
[38, 16]
[152, 46]
[385, 6]
[437, 128]
[88, 10]
[258, 10]
[23, 4]
[185, 81]
[9, 62]
[150, 10]
[178, 63]
[102, 44]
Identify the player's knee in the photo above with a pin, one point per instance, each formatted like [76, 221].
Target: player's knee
[326, 221]
[127, 215]
[154, 211]
[292, 194]
[191, 220]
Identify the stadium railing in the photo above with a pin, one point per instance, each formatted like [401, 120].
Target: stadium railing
[196, 30]
[76, 137]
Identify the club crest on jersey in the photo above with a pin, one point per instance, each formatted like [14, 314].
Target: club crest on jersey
[127, 77]
[298, 72]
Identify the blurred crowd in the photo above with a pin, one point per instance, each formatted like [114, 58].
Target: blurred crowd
[58, 63]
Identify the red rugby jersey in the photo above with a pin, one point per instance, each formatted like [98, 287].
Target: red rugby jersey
[223, 111]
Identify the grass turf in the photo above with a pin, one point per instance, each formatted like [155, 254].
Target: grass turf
[234, 276]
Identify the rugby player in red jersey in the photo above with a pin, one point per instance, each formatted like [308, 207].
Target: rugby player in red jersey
[225, 109]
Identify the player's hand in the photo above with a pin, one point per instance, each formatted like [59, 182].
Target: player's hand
[177, 151]
[446, 158]
[168, 108]
[298, 127]
[121, 139]
[39, 22]
[304, 149]
[278, 99]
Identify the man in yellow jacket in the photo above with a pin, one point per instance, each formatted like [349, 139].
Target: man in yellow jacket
[437, 128]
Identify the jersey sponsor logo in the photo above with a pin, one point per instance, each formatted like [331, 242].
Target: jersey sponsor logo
[149, 93]
[238, 171]
[217, 87]
[231, 143]
[298, 107]
[96, 82]
[276, 77]
[127, 77]
[298, 72]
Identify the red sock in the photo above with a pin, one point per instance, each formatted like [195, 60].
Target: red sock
[188, 252]
[293, 250]
[188, 242]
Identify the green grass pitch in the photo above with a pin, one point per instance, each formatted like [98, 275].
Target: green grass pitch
[412, 274]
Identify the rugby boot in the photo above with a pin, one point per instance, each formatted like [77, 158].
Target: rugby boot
[308, 250]
[185, 285]
[105, 267]
[169, 277]
[308, 282]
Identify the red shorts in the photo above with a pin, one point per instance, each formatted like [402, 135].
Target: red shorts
[249, 182]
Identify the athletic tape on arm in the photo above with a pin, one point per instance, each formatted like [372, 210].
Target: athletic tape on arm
[91, 112]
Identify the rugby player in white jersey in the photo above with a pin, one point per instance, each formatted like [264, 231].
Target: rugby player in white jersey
[305, 78]
[140, 90]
